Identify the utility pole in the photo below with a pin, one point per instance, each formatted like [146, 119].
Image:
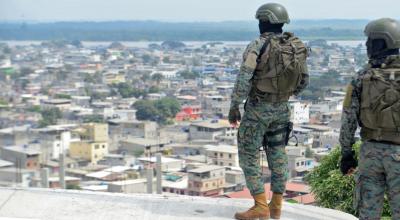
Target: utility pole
[62, 170]
[44, 177]
[62, 163]
[159, 173]
[150, 180]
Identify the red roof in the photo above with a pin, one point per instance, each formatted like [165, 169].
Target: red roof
[305, 199]
[294, 187]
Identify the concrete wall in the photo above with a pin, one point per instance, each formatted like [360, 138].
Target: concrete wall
[83, 205]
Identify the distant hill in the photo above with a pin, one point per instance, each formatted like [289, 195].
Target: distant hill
[334, 29]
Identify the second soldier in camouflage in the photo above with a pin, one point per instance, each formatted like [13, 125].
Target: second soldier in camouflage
[373, 102]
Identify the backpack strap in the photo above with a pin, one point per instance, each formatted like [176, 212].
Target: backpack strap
[263, 48]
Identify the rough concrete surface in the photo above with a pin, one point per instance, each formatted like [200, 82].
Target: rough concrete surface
[44, 204]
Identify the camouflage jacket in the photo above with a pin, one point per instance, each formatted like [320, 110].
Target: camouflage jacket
[351, 113]
[249, 64]
[352, 105]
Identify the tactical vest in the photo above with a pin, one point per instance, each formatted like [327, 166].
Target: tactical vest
[380, 104]
[279, 69]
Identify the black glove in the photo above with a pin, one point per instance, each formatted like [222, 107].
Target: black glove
[348, 162]
[234, 115]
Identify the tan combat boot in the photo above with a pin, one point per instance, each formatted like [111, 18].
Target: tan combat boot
[259, 211]
[275, 206]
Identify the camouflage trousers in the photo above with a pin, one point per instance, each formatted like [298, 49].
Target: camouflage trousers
[258, 119]
[379, 171]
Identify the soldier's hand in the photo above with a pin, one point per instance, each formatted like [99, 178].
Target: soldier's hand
[234, 116]
[348, 163]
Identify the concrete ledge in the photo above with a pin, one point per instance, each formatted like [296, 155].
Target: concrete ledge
[48, 204]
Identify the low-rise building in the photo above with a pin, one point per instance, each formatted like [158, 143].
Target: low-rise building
[12, 176]
[167, 164]
[175, 183]
[93, 145]
[89, 150]
[62, 104]
[25, 157]
[140, 146]
[15, 136]
[211, 129]
[234, 180]
[223, 155]
[130, 186]
[206, 181]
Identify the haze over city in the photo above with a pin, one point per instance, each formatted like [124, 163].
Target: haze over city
[187, 11]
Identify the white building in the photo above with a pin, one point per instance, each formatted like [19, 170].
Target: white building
[210, 130]
[223, 155]
[300, 112]
[54, 139]
[130, 186]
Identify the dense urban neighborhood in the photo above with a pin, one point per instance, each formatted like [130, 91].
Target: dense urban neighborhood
[152, 117]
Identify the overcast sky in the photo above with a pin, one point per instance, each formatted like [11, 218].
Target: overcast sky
[188, 10]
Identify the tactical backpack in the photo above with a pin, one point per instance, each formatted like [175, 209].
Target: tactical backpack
[279, 69]
[380, 104]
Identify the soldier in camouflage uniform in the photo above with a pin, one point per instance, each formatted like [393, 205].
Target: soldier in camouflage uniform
[273, 69]
[373, 102]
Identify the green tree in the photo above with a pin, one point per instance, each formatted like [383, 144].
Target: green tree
[73, 187]
[127, 91]
[49, 117]
[160, 110]
[166, 60]
[63, 96]
[24, 71]
[154, 89]
[3, 101]
[138, 153]
[35, 108]
[157, 77]
[146, 58]
[186, 74]
[93, 119]
[77, 43]
[333, 190]
[168, 107]
[145, 77]
[145, 110]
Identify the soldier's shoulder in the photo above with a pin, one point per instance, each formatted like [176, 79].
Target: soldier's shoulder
[359, 76]
[363, 72]
[255, 45]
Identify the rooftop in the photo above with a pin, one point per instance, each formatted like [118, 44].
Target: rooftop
[293, 187]
[204, 169]
[11, 130]
[5, 163]
[222, 148]
[163, 159]
[28, 150]
[82, 205]
[214, 124]
[144, 141]
[317, 127]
